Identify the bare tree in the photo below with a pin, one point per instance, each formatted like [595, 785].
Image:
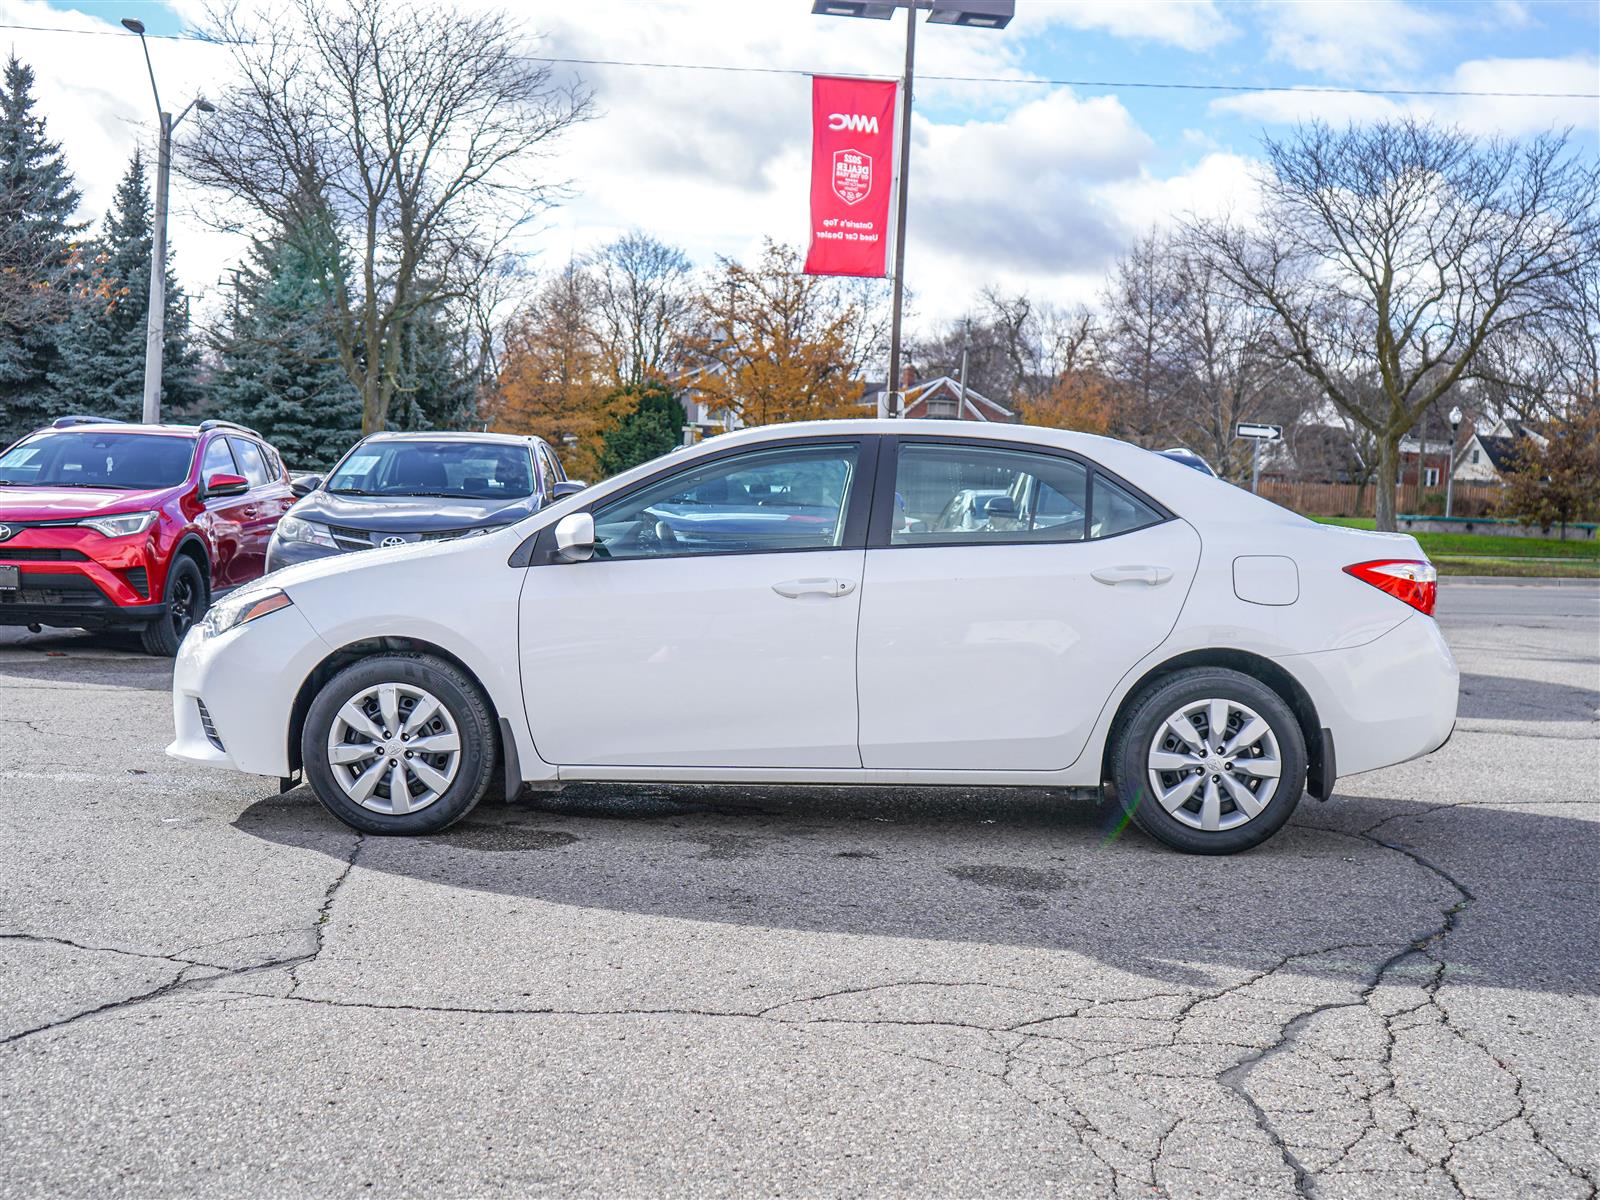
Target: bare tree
[1397, 251]
[644, 302]
[419, 127]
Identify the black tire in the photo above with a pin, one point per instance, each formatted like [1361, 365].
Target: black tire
[187, 598]
[467, 709]
[1149, 712]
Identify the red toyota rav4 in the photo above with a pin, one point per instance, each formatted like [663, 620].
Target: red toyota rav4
[111, 526]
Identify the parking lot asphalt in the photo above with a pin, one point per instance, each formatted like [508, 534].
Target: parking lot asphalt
[208, 988]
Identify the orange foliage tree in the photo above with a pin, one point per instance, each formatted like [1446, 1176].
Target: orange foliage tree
[778, 345]
[1079, 399]
[554, 380]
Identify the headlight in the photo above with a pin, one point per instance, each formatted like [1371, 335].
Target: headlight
[121, 525]
[240, 610]
[293, 529]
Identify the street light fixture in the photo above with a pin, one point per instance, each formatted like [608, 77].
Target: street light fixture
[976, 14]
[156, 326]
[1450, 462]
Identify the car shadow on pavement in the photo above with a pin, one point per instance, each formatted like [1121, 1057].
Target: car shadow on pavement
[83, 659]
[1503, 697]
[1024, 869]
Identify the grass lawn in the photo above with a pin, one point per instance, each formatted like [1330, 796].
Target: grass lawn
[1497, 554]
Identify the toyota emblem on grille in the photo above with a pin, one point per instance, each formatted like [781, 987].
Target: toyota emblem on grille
[392, 541]
[5, 532]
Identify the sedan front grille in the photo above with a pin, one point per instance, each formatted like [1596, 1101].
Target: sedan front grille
[365, 539]
[206, 724]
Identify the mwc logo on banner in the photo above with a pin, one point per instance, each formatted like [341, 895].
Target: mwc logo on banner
[852, 172]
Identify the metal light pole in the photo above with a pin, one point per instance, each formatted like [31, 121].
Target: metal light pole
[1450, 459]
[156, 326]
[977, 14]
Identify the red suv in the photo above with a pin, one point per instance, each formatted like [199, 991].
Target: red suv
[111, 526]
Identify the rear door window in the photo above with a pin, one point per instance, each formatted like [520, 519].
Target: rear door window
[252, 464]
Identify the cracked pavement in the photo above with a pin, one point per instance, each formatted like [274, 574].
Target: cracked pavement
[210, 988]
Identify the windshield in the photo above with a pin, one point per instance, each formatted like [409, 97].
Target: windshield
[468, 470]
[98, 460]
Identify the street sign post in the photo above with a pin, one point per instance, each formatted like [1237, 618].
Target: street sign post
[1257, 432]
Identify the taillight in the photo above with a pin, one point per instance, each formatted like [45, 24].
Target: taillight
[1407, 579]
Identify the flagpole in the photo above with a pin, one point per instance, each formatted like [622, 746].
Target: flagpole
[892, 391]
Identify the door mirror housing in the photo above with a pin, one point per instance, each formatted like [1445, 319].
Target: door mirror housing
[567, 487]
[304, 485]
[223, 484]
[575, 537]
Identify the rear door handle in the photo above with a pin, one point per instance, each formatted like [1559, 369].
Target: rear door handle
[1143, 573]
[795, 588]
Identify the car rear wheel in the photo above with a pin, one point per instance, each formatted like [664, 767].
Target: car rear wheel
[187, 600]
[399, 744]
[1210, 761]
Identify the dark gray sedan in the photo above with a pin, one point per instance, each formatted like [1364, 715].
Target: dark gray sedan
[394, 488]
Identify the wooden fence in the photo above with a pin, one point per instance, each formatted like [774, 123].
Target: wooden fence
[1348, 500]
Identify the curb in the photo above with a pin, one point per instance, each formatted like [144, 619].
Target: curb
[1518, 581]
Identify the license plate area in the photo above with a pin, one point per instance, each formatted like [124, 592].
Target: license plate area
[10, 578]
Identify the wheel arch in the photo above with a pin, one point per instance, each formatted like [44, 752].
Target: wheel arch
[192, 546]
[355, 652]
[1274, 675]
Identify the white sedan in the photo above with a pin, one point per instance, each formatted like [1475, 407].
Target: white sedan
[793, 605]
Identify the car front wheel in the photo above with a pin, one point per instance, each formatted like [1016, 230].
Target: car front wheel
[399, 744]
[187, 600]
[1210, 761]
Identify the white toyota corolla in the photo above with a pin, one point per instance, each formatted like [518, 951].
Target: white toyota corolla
[849, 602]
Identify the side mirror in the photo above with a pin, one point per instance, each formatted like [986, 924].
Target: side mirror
[567, 487]
[223, 484]
[304, 485]
[575, 537]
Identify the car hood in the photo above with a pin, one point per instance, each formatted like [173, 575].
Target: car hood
[410, 514]
[65, 503]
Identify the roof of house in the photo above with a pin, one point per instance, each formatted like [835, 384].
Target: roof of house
[980, 406]
[1501, 451]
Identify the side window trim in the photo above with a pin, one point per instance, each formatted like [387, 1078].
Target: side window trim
[538, 549]
[879, 533]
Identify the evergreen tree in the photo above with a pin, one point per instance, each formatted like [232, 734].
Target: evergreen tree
[100, 369]
[37, 203]
[651, 428]
[278, 366]
[436, 387]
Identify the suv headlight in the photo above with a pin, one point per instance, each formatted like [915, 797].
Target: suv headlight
[121, 525]
[293, 529]
[240, 610]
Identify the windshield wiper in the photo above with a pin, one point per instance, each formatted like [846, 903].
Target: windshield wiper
[352, 492]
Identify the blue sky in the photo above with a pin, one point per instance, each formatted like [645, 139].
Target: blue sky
[1023, 185]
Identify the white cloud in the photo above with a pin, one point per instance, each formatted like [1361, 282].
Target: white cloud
[1188, 24]
[1506, 115]
[95, 97]
[1378, 41]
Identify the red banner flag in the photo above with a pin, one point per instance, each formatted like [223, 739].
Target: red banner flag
[852, 175]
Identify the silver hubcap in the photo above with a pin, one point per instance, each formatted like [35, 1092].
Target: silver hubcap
[1214, 764]
[394, 748]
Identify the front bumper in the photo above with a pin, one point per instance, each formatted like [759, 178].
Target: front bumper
[286, 554]
[1387, 702]
[73, 578]
[247, 679]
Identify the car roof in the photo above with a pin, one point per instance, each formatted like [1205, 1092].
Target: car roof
[124, 427]
[466, 437]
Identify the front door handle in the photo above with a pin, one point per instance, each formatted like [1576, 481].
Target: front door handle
[833, 588]
[1143, 573]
